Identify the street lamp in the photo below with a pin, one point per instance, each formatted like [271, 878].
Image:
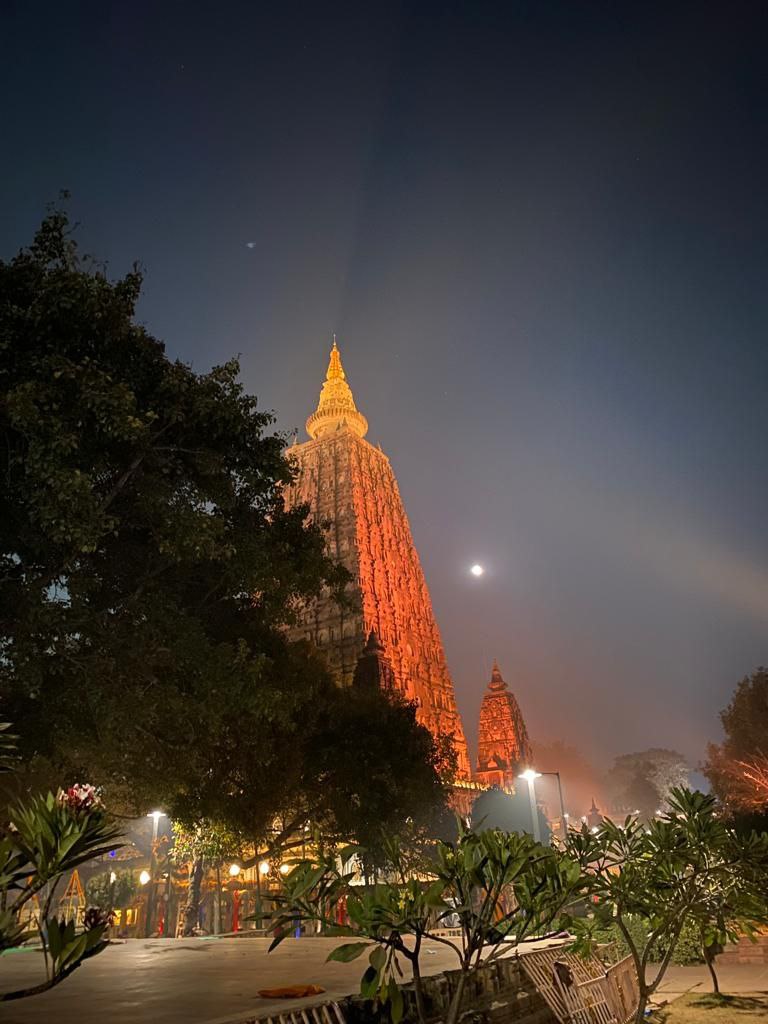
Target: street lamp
[151, 894]
[563, 815]
[530, 777]
[234, 870]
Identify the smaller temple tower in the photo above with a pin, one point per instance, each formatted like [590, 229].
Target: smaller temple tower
[503, 747]
[374, 669]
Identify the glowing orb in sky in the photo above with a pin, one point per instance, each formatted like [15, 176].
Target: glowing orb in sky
[477, 570]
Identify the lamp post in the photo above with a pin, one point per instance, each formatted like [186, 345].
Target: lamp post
[151, 894]
[563, 815]
[530, 777]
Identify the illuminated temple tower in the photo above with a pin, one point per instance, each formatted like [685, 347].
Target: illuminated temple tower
[350, 484]
[503, 747]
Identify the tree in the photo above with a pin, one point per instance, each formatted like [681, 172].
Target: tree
[148, 565]
[644, 780]
[112, 890]
[495, 809]
[146, 553]
[347, 764]
[504, 888]
[205, 842]
[737, 768]
[688, 866]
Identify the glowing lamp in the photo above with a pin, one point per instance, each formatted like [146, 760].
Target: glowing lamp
[112, 877]
[263, 867]
[477, 570]
[529, 775]
[284, 869]
[234, 870]
[157, 815]
[144, 877]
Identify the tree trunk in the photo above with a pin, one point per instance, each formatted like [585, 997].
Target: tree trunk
[709, 959]
[217, 903]
[421, 1010]
[641, 1005]
[454, 1010]
[192, 906]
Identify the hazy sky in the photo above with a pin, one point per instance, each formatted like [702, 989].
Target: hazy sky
[539, 231]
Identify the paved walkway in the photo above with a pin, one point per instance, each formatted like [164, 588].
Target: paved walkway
[185, 981]
[734, 979]
[201, 981]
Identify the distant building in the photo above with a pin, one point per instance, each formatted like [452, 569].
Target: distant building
[503, 747]
[349, 483]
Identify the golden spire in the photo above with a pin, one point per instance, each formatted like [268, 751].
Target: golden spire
[336, 408]
[497, 681]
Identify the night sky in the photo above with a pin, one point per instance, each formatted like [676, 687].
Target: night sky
[539, 231]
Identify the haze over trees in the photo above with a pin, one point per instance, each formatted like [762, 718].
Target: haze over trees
[148, 565]
[643, 781]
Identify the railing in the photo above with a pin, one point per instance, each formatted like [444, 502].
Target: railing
[323, 1013]
[580, 990]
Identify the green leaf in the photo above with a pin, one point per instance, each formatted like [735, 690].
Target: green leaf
[395, 998]
[378, 957]
[348, 952]
[369, 983]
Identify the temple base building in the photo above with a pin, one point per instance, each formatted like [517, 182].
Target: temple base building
[349, 484]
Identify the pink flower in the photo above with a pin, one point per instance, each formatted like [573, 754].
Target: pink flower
[80, 799]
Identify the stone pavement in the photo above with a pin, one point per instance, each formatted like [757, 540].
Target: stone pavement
[201, 981]
[185, 981]
[734, 979]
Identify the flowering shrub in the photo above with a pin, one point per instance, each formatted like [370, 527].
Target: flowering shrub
[46, 838]
[80, 799]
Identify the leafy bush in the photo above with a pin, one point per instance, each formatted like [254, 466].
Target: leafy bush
[687, 951]
[108, 895]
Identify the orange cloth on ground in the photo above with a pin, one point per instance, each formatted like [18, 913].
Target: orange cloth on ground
[291, 992]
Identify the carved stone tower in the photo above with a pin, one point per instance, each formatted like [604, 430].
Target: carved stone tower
[503, 747]
[350, 485]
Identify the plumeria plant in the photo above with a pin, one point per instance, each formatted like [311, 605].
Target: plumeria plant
[497, 889]
[686, 867]
[44, 839]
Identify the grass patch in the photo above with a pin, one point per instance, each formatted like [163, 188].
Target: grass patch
[711, 1009]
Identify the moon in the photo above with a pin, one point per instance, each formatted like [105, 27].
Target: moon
[477, 570]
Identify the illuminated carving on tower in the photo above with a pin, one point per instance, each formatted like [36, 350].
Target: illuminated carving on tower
[350, 484]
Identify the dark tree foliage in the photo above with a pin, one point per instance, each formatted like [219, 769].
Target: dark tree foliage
[737, 768]
[147, 566]
[495, 809]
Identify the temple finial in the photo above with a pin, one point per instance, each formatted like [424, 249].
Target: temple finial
[335, 369]
[336, 409]
[497, 680]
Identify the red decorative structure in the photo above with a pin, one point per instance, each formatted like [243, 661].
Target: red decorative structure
[503, 747]
[349, 483]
